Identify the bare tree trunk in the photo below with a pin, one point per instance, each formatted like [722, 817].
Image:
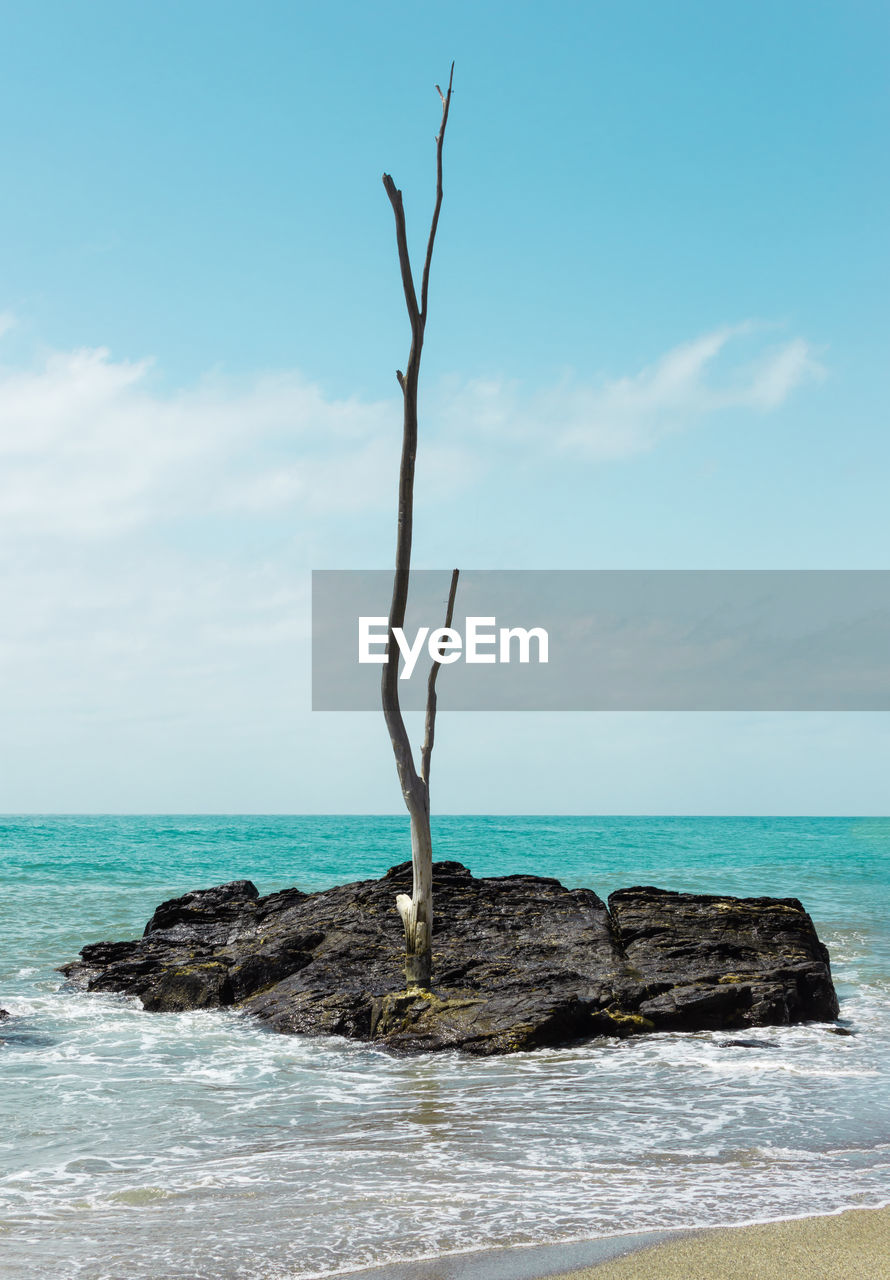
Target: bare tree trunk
[416, 911]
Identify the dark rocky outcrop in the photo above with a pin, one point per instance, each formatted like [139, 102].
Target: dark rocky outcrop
[722, 962]
[519, 961]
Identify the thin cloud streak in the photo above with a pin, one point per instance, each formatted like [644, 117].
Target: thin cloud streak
[91, 449]
[619, 418]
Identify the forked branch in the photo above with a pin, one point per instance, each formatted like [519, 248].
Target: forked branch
[398, 208]
[430, 728]
[440, 138]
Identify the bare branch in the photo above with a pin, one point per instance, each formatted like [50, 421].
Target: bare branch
[440, 138]
[430, 730]
[395, 199]
[412, 787]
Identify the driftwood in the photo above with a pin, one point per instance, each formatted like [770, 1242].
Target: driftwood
[416, 911]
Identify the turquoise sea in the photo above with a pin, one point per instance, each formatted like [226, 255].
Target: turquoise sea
[200, 1147]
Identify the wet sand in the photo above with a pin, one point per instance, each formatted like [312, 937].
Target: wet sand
[847, 1246]
[520, 1262]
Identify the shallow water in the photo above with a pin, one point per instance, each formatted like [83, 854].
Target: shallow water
[198, 1145]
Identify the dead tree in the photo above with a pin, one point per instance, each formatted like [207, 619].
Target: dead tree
[416, 911]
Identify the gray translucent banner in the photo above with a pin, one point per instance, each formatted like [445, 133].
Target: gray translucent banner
[696, 640]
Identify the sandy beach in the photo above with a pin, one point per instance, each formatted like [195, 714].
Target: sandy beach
[846, 1246]
[854, 1245]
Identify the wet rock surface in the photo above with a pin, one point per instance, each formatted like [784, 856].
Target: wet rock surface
[518, 962]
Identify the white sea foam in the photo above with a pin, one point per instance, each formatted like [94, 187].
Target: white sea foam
[207, 1117]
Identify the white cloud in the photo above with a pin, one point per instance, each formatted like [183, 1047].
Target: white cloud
[620, 417]
[631, 414]
[154, 546]
[781, 371]
[90, 447]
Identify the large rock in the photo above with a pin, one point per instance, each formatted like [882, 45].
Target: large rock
[518, 961]
[706, 961]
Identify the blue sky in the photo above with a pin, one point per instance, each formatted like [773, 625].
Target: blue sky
[657, 338]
